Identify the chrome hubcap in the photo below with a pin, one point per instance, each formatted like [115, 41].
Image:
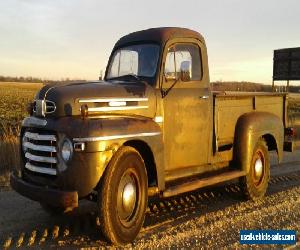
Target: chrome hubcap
[258, 168]
[129, 197]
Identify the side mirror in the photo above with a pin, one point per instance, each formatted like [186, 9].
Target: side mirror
[170, 76]
[185, 71]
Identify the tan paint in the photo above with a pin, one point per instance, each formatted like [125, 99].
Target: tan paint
[228, 109]
[252, 126]
[187, 117]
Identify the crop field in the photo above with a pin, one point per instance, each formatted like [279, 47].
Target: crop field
[294, 102]
[14, 98]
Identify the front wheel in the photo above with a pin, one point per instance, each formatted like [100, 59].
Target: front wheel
[123, 196]
[255, 183]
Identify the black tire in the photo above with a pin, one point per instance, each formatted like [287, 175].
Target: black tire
[52, 210]
[123, 196]
[254, 185]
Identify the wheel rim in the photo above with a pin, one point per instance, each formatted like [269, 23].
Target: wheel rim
[127, 197]
[258, 168]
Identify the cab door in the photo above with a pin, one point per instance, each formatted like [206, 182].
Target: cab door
[186, 105]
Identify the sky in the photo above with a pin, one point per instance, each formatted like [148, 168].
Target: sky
[73, 39]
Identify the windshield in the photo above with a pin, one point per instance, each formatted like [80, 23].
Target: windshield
[137, 60]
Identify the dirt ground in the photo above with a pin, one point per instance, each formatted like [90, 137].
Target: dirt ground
[208, 218]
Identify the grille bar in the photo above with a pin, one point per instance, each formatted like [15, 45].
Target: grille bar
[40, 151]
[35, 147]
[42, 170]
[40, 158]
[39, 137]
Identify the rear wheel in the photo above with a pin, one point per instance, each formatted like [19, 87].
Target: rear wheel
[255, 183]
[122, 196]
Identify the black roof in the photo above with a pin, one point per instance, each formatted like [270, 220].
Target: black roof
[159, 35]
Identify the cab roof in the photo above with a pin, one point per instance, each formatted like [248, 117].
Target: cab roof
[158, 35]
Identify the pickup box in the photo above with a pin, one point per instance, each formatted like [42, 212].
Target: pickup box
[153, 127]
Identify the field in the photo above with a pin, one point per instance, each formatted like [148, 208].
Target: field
[294, 104]
[14, 98]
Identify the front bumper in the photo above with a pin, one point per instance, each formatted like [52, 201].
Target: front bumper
[56, 198]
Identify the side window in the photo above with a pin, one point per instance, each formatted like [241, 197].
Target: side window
[183, 58]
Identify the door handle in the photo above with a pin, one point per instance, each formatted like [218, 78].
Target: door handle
[204, 96]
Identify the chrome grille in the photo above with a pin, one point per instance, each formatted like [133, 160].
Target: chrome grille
[40, 151]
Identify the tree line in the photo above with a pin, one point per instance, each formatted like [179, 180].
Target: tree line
[252, 87]
[240, 86]
[30, 79]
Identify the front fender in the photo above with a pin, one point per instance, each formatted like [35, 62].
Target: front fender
[116, 131]
[249, 128]
[102, 136]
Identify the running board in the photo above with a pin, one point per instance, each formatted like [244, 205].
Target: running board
[193, 185]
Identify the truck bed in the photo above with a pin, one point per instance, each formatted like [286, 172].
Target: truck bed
[229, 106]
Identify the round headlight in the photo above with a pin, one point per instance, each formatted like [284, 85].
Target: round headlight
[67, 150]
[24, 141]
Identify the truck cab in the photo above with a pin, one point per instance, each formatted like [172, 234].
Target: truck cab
[153, 127]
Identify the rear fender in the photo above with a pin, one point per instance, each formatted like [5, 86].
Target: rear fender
[249, 128]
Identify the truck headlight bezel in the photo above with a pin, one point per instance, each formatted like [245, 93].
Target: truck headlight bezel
[67, 150]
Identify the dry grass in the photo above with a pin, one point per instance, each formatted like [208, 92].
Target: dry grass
[14, 98]
[9, 154]
[294, 105]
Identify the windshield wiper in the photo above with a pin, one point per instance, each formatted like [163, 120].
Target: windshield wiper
[136, 77]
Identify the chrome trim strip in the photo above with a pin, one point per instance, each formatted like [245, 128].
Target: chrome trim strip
[31, 121]
[40, 158]
[113, 137]
[103, 109]
[38, 137]
[126, 99]
[43, 148]
[33, 168]
[116, 104]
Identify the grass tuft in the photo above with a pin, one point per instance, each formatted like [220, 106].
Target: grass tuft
[9, 151]
[14, 98]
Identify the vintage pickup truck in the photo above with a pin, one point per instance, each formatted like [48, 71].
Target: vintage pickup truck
[153, 127]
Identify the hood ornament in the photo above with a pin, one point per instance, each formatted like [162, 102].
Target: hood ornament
[43, 107]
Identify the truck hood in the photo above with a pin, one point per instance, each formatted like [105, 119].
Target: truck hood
[101, 98]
